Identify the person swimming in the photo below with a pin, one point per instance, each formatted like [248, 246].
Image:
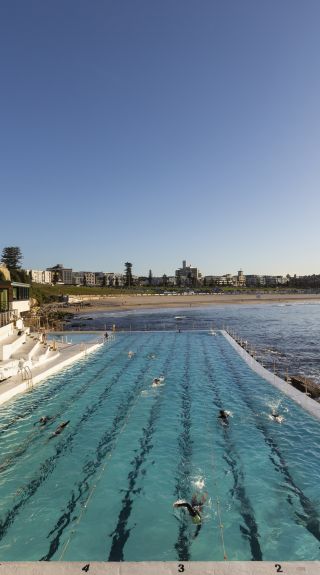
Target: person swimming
[193, 512]
[59, 429]
[194, 509]
[157, 381]
[276, 417]
[224, 415]
[43, 420]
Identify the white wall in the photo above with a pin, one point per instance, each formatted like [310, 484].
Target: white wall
[6, 331]
[20, 306]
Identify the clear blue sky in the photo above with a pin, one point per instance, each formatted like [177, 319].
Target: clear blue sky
[153, 131]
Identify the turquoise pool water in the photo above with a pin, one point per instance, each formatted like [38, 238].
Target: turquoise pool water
[74, 337]
[104, 488]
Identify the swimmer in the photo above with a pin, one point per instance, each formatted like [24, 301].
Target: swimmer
[276, 417]
[59, 429]
[158, 381]
[193, 512]
[223, 415]
[194, 509]
[130, 354]
[43, 420]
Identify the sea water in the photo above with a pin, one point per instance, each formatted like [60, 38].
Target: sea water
[104, 488]
[286, 336]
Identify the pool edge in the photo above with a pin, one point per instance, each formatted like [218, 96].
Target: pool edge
[303, 400]
[161, 568]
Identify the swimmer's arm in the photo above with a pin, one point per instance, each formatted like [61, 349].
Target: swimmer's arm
[187, 505]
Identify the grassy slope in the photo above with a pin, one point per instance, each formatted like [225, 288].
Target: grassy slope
[46, 293]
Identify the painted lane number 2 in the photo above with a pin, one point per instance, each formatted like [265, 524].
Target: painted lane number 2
[278, 568]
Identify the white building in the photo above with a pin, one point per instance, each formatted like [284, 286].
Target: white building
[109, 279]
[84, 278]
[187, 275]
[40, 276]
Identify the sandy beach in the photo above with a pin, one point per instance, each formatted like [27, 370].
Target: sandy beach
[127, 302]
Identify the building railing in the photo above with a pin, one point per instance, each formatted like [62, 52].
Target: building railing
[6, 317]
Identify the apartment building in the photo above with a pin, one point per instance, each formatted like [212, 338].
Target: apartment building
[40, 276]
[187, 275]
[61, 274]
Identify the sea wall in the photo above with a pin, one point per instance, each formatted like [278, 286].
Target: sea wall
[302, 399]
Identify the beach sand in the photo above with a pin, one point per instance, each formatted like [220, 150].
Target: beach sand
[127, 302]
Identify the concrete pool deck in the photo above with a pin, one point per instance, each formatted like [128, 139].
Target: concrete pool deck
[67, 354]
[161, 568]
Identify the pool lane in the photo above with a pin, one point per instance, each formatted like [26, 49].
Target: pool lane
[60, 449]
[303, 513]
[32, 423]
[129, 393]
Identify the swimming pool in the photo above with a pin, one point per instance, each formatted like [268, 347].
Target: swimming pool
[104, 488]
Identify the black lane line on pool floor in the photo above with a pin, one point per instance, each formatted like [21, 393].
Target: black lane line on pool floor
[121, 533]
[51, 391]
[37, 434]
[62, 448]
[183, 474]
[249, 530]
[311, 520]
[104, 448]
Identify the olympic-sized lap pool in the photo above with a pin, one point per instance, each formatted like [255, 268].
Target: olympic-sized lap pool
[104, 488]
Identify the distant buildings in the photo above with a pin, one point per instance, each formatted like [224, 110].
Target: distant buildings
[185, 277]
[61, 274]
[14, 299]
[40, 276]
[84, 279]
[109, 279]
[265, 281]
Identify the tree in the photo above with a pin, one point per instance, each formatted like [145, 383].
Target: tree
[55, 278]
[11, 257]
[150, 278]
[164, 280]
[128, 274]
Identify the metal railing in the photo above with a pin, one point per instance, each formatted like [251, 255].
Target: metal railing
[6, 317]
[26, 375]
